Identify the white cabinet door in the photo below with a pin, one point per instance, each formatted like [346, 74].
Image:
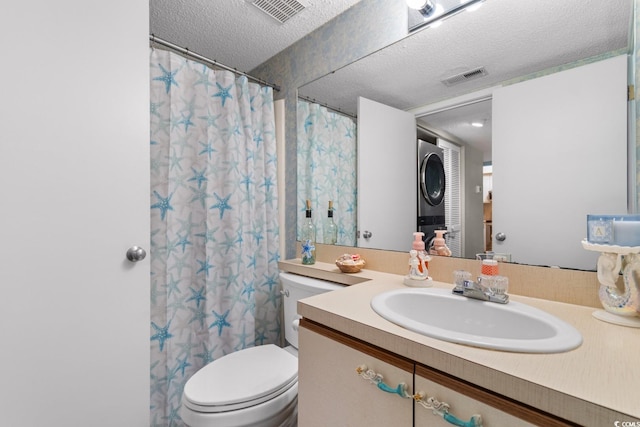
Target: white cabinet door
[74, 171]
[387, 176]
[467, 402]
[559, 155]
[330, 392]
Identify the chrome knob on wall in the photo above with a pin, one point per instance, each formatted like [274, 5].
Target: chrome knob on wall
[136, 253]
[501, 237]
[367, 234]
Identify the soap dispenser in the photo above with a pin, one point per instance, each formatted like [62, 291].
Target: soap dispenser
[418, 262]
[423, 256]
[439, 247]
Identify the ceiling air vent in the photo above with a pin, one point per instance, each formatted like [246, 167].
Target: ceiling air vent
[280, 10]
[467, 75]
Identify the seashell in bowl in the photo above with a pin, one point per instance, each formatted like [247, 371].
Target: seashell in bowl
[349, 263]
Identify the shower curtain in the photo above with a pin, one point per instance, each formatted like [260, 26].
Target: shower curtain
[214, 229]
[327, 169]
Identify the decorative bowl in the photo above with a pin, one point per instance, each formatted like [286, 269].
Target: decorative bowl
[348, 263]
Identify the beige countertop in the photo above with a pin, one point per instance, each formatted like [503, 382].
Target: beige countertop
[593, 385]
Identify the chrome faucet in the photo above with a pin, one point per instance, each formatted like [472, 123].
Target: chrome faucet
[477, 290]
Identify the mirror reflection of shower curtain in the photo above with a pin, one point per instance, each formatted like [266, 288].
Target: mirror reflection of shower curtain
[214, 222]
[327, 169]
[452, 198]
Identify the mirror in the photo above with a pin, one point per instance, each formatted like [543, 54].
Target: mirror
[501, 43]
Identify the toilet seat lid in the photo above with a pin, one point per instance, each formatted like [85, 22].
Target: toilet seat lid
[241, 378]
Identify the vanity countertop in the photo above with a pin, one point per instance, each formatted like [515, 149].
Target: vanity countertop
[593, 385]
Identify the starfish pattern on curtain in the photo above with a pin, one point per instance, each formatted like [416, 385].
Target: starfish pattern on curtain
[327, 169]
[214, 223]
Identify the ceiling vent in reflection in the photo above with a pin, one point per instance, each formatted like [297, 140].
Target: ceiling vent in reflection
[467, 75]
[280, 10]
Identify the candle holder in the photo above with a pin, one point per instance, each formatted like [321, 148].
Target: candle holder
[621, 307]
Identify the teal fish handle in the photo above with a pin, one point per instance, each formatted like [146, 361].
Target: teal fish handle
[475, 420]
[400, 390]
[438, 408]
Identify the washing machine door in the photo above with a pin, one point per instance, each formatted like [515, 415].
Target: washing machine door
[432, 180]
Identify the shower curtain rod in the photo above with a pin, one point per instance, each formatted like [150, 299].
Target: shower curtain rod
[188, 53]
[328, 107]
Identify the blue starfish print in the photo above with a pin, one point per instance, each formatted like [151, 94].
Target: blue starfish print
[222, 204]
[167, 77]
[209, 235]
[204, 266]
[252, 261]
[307, 247]
[247, 181]
[260, 338]
[183, 241]
[231, 279]
[271, 282]
[180, 263]
[172, 285]
[173, 416]
[171, 375]
[274, 257]
[203, 79]
[198, 316]
[186, 121]
[162, 334]
[182, 365]
[164, 204]
[308, 123]
[242, 339]
[208, 149]
[201, 195]
[240, 239]
[221, 321]
[210, 119]
[274, 297]
[206, 355]
[197, 296]
[199, 176]
[257, 234]
[268, 183]
[175, 160]
[224, 93]
[228, 243]
[248, 288]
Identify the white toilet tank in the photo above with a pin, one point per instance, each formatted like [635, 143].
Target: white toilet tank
[294, 288]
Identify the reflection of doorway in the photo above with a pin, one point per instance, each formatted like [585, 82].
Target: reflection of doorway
[452, 198]
[452, 121]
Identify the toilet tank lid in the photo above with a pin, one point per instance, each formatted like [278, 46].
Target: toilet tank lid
[310, 283]
[243, 376]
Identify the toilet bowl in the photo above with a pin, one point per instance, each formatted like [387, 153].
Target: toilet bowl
[257, 386]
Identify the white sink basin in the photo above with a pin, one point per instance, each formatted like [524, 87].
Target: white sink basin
[438, 313]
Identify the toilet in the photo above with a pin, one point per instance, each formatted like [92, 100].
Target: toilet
[257, 386]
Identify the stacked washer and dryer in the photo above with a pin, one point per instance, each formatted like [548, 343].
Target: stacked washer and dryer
[431, 190]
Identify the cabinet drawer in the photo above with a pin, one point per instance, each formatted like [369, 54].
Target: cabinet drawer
[331, 393]
[466, 400]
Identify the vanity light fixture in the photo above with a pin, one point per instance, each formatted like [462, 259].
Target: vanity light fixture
[425, 7]
[433, 13]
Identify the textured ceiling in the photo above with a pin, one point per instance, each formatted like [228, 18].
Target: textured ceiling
[509, 38]
[235, 32]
